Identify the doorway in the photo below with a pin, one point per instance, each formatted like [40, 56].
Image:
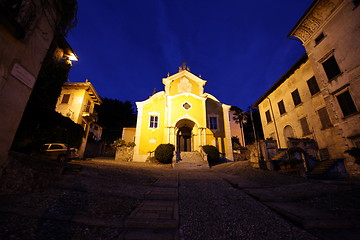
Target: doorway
[184, 135]
[184, 139]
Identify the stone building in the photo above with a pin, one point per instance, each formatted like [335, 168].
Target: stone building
[319, 96]
[27, 28]
[77, 101]
[183, 115]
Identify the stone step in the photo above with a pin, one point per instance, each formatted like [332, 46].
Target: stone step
[190, 156]
[202, 164]
[191, 160]
[323, 166]
[280, 156]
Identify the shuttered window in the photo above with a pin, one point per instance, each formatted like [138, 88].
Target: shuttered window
[305, 126]
[281, 107]
[324, 118]
[319, 38]
[313, 86]
[331, 68]
[346, 103]
[296, 97]
[268, 116]
[65, 98]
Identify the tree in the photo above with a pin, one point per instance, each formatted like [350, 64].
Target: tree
[114, 115]
[253, 126]
[240, 118]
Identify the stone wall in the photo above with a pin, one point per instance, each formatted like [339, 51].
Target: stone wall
[352, 168]
[254, 155]
[124, 153]
[22, 52]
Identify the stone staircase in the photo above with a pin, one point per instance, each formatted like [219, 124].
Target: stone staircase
[191, 160]
[281, 155]
[323, 167]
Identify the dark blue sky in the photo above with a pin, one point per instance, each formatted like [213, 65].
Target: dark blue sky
[240, 47]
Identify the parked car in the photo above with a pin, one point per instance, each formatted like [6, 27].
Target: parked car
[58, 151]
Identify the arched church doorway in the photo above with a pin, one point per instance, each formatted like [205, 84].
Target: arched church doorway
[184, 140]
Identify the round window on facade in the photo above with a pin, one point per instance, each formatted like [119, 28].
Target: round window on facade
[186, 106]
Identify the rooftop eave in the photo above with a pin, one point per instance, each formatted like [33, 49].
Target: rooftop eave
[186, 73]
[313, 19]
[88, 87]
[282, 79]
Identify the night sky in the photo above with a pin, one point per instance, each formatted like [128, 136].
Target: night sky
[126, 47]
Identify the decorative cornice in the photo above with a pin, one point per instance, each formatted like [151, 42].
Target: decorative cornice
[313, 19]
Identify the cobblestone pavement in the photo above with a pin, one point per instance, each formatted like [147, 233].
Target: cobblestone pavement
[210, 208]
[105, 199]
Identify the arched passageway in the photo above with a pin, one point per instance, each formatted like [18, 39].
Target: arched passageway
[184, 137]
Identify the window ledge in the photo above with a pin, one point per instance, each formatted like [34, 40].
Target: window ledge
[350, 115]
[327, 127]
[300, 104]
[316, 94]
[317, 44]
[335, 77]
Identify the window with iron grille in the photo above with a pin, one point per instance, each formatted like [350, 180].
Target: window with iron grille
[268, 116]
[213, 123]
[331, 68]
[313, 86]
[65, 98]
[305, 126]
[324, 118]
[153, 121]
[281, 107]
[296, 97]
[346, 103]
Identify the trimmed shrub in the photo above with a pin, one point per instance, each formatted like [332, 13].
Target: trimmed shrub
[213, 154]
[164, 153]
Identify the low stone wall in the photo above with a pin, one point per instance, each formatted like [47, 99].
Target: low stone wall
[241, 155]
[124, 154]
[351, 167]
[254, 159]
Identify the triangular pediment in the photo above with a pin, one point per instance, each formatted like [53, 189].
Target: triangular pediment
[184, 82]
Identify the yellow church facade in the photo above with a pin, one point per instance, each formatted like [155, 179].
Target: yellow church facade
[183, 115]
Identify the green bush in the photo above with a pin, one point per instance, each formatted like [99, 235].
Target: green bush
[213, 154]
[121, 143]
[164, 153]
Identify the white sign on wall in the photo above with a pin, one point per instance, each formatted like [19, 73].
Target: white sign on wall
[20, 73]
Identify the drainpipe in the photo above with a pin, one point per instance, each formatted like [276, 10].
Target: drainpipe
[276, 130]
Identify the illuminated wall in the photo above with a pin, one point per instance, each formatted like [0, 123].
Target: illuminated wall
[330, 33]
[180, 115]
[77, 102]
[24, 43]
[303, 117]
